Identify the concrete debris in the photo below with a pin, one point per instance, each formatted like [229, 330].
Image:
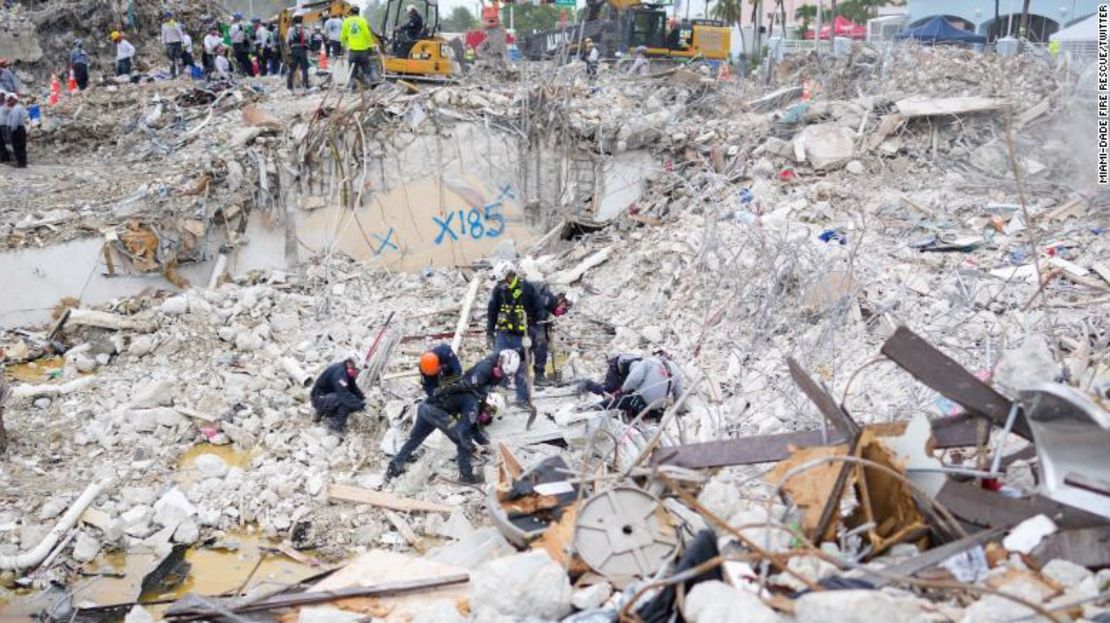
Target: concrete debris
[520, 585]
[188, 256]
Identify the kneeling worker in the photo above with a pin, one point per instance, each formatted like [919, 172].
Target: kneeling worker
[458, 409]
[336, 395]
[438, 365]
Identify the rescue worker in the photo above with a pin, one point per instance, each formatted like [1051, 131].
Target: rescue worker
[458, 410]
[5, 136]
[640, 66]
[513, 308]
[336, 395]
[187, 58]
[593, 58]
[297, 40]
[437, 366]
[125, 52]
[17, 130]
[172, 37]
[360, 44]
[316, 42]
[616, 372]
[9, 82]
[275, 54]
[79, 64]
[221, 67]
[263, 45]
[551, 305]
[648, 385]
[333, 29]
[212, 42]
[237, 32]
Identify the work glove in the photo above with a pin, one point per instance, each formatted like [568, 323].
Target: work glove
[526, 342]
[582, 387]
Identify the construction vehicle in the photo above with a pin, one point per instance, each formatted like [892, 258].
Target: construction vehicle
[311, 13]
[630, 24]
[429, 56]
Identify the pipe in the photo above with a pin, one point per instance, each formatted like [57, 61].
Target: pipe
[295, 372]
[218, 271]
[33, 558]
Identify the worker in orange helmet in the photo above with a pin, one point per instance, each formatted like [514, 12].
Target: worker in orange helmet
[438, 365]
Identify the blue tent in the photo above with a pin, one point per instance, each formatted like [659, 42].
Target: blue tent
[940, 30]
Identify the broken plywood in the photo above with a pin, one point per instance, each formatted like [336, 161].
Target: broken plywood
[359, 495]
[922, 107]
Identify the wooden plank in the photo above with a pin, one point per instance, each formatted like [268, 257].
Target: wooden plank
[464, 315]
[404, 528]
[359, 495]
[919, 107]
[943, 374]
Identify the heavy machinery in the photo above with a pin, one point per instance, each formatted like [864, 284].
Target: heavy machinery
[630, 24]
[425, 57]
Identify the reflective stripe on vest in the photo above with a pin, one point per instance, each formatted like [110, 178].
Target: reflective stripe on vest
[511, 316]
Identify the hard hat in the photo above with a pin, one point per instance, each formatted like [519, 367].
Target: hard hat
[353, 356]
[509, 360]
[410, 8]
[354, 10]
[429, 364]
[503, 269]
[589, 40]
[495, 403]
[256, 19]
[167, 13]
[237, 15]
[115, 36]
[79, 42]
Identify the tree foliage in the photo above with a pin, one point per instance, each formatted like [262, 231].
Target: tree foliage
[859, 11]
[728, 11]
[529, 18]
[460, 20]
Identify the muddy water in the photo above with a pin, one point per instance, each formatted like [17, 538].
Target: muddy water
[36, 279]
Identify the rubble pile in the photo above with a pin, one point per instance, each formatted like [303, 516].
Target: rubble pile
[786, 252]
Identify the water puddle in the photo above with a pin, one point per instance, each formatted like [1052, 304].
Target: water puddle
[38, 371]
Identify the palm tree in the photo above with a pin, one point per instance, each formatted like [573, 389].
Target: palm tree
[1024, 28]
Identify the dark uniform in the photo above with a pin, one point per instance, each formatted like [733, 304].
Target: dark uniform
[615, 375]
[453, 409]
[335, 395]
[540, 331]
[513, 308]
[449, 369]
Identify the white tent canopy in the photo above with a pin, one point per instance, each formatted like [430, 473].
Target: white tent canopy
[1080, 32]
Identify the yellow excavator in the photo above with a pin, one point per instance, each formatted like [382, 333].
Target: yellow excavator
[414, 49]
[415, 55]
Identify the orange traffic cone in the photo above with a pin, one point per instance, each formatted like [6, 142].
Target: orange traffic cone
[55, 90]
[323, 59]
[71, 84]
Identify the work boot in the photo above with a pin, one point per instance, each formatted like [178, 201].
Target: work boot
[393, 471]
[471, 479]
[541, 380]
[480, 438]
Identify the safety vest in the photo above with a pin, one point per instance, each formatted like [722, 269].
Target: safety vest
[511, 317]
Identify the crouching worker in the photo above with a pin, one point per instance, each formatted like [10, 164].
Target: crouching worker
[438, 366]
[336, 395]
[458, 409]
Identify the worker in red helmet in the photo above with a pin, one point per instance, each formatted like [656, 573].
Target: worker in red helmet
[440, 364]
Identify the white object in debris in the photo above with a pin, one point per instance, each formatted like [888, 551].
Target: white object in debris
[824, 146]
[855, 606]
[523, 585]
[714, 601]
[1028, 534]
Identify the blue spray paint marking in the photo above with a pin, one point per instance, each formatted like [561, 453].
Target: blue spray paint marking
[477, 224]
[385, 242]
[444, 228]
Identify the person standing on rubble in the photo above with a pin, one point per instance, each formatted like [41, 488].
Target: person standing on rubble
[513, 308]
[297, 40]
[437, 366]
[172, 36]
[79, 64]
[221, 67]
[17, 130]
[458, 410]
[125, 52]
[239, 43]
[5, 136]
[212, 42]
[551, 305]
[263, 45]
[360, 43]
[593, 59]
[9, 82]
[640, 65]
[187, 58]
[335, 394]
[333, 28]
[317, 42]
